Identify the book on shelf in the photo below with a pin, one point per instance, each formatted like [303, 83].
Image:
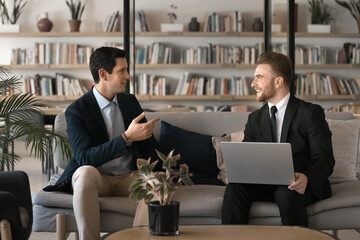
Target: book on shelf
[193, 85]
[156, 53]
[150, 84]
[325, 84]
[229, 22]
[52, 53]
[141, 22]
[112, 23]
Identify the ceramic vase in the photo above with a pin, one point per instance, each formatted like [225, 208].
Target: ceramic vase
[44, 24]
[194, 25]
[257, 25]
[74, 25]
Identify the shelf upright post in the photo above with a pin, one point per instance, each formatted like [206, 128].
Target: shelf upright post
[267, 23]
[291, 41]
[127, 36]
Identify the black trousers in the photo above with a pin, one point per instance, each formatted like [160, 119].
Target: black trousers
[239, 197]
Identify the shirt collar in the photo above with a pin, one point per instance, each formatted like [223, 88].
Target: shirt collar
[281, 106]
[101, 100]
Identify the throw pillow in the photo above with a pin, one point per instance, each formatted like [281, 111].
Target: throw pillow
[196, 151]
[233, 137]
[345, 142]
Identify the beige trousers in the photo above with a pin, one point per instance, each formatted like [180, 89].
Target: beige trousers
[89, 184]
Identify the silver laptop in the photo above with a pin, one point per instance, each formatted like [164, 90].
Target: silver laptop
[258, 162]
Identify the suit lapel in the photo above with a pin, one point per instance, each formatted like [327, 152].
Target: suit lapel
[94, 109]
[289, 115]
[265, 124]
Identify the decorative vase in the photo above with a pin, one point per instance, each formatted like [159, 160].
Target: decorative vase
[44, 24]
[194, 25]
[257, 25]
[163, 219]
[74, 25]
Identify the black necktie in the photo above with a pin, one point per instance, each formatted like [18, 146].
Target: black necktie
[273, 123]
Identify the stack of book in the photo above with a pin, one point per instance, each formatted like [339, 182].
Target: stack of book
[151, 85]
[112, 23]
[232, 22]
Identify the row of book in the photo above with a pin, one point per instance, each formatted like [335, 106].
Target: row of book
[193, 85]
[350, 53]
[112, 23]
[156, 53]
[150, 84]
[220, 54]
[231, 22]
[325, 84]
[60, 85]
[52, 53]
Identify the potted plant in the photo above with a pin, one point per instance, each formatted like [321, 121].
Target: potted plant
[8, 19]
[354, 9]
[172, 26]
[163, 213]
[321, 16]
[16, 113]
[76, 9]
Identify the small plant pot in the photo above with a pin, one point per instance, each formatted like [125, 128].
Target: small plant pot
[318, 28]
[74, 25]
[172, 27]
[10, 28]
[164, 219]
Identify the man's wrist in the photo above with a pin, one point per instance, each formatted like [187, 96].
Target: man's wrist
[127, 141]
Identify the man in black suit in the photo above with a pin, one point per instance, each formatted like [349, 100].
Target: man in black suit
[297, 122]
[107, 132]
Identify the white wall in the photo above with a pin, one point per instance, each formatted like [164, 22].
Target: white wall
[157, 10]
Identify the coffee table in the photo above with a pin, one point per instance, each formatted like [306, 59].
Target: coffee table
[226, 232]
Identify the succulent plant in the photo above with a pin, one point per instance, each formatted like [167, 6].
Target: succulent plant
[76, 8]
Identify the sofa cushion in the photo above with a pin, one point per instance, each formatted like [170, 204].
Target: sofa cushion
[345, 142]
[233, 137]
[196, 151]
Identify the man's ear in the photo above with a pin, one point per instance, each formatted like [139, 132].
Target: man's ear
[102, 73]
[279, 81]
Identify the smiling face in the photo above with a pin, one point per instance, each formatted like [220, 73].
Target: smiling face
[264, 83]
[119, 76]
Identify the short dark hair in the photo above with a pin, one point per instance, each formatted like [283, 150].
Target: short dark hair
[104, 57]
[280, 65]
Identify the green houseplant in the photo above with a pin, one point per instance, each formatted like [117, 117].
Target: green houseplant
[354, 9]
[321, 14]
[76, 8]
[16, 114]
[164, 213]
[10, 15]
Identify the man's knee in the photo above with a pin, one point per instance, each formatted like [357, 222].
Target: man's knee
[87, 174]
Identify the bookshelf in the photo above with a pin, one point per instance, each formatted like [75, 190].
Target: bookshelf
[157, 14]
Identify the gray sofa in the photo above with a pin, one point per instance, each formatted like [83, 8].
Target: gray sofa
[201, 204]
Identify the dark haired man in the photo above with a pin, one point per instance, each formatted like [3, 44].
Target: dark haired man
[107, 132]
[298, 122]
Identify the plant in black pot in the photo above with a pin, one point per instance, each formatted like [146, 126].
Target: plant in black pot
[164, 212]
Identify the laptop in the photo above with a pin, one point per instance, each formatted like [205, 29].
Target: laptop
[258, 162]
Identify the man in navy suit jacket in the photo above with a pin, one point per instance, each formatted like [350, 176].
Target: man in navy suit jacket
[298, 122]
[107, 132]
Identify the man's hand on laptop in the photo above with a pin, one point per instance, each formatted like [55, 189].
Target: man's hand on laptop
[300, 183]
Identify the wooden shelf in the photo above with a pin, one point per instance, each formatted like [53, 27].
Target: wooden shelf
[178, 34]
[61, 34]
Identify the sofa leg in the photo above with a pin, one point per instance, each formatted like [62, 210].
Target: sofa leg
[76, 235]
[61, 227]
[358, 230]
[5, 230]
[335, 233]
